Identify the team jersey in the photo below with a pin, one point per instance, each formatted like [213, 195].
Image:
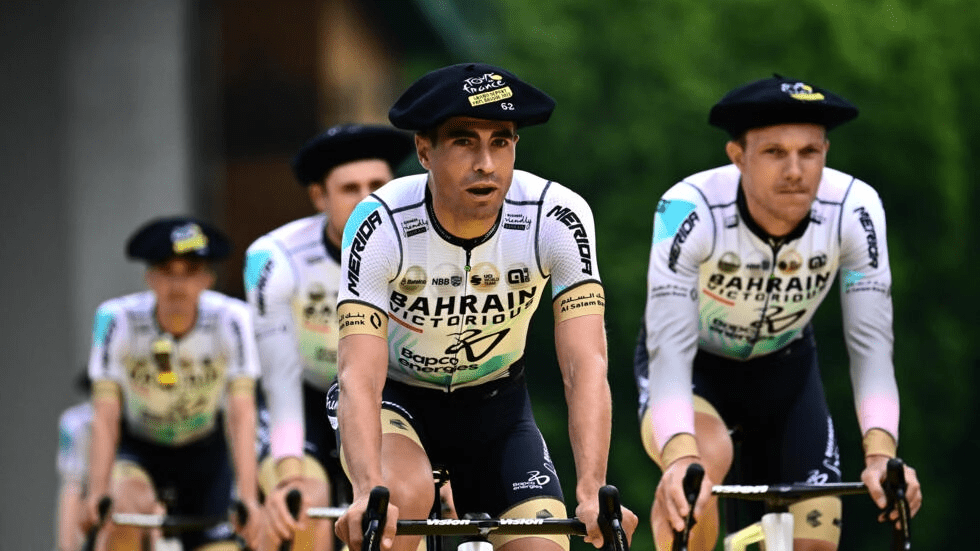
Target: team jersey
[292, 275]
[459, 309]
[172, 389]
[74, 434]
[718, 282]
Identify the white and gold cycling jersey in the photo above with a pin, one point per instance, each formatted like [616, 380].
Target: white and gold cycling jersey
[291, 279]
[172, 389]
[717, 282]
[455, 312]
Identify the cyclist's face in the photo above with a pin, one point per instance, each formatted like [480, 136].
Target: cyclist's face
[470, 164]
[781, 168]
[177, 284]
[343, 188]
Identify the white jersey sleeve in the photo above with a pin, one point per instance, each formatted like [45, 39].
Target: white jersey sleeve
[109, 340]
[381, 260]
[238, 332]
[270, 284]
[672, 317]
[74, 429]
[867, 309]
[567, 244]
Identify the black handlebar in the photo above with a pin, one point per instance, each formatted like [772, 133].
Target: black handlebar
[895, 489]
[610, 523]
[692, 487]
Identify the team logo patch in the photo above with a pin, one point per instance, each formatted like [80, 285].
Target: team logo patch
[801, 91]
[484, 276]
[518, 276]
[729, 263]
[789, 262]
[817, 261]
[446, 277]
[413, 281]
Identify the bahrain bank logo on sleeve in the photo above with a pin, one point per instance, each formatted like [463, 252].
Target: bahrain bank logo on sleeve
[360, 226]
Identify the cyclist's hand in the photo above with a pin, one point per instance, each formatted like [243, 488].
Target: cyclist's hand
[88, 517]
[588, 513]
[670, 499]
[875, 469]
[254, 529]
[348, 526]
[282, 525]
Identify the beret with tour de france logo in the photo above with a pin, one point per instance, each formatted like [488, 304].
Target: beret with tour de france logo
[163, 238]
[469, 90]
[779, 100]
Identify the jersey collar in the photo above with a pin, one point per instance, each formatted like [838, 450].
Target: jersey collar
[331, 249]
[468, 244]
[743, 211]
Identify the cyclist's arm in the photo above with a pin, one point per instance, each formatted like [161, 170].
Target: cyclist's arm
[70, 507]
[581, 349]
[270, 283]
[106, 414]
[671, 317]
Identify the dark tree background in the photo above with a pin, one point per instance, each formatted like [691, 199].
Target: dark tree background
[634, 81]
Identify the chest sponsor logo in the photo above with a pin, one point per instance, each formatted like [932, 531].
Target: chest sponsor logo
[453, 310]
[484, 276]
[516, 221]
[729, 263]
[357, 246]
[319, 312]
[415, 226]
[870, 234]
[730, 289]
[789, 262]
[817, 261]
[413, 281]
[572, 222]
[446, 278]
[518, 276]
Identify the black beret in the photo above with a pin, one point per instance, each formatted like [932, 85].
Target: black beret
[346, 143]
[779, 100]
[470, 90]
[163, 238]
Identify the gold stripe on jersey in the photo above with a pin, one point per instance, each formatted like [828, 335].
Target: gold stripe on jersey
[581, 300]
[358, 318]
[105, 389]
[241, 385]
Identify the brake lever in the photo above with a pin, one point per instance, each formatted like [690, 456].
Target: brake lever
[692, 486]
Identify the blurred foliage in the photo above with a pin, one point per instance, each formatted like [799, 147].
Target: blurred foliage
[634, 81]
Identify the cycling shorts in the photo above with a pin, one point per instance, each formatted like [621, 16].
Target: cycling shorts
[193, 479]
[485, 437]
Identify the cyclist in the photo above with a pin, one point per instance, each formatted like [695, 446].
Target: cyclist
[74, 427]
[165, 363]
[441, 273]
[292, 275]
[742, 256]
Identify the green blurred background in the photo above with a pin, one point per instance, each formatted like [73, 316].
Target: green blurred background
[634, 81]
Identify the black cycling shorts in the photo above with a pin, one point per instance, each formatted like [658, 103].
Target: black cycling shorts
[485, 437]
[193, 479]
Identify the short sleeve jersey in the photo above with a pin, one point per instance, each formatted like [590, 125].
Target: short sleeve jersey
[456, 312]
[292, 275]
[74, 433]
[126, 349]
[717, 282]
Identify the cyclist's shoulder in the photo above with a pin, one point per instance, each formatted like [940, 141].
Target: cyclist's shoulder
[290, 235]
[222, 306]
[400, 193]
[837, 187]
[709, 188]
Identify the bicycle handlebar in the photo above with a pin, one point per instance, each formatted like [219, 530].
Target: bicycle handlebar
[895, 488]
[372, 524]
[692, 487]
